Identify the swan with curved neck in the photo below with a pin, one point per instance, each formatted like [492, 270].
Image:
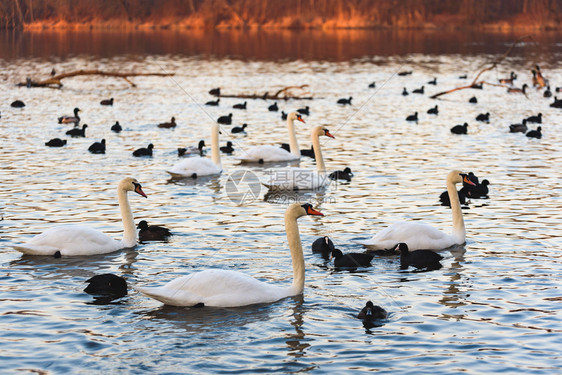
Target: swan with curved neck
[422, 236]
[267, 153]
[73, 240]
[226, 288]
[199, 166]
[302, 178]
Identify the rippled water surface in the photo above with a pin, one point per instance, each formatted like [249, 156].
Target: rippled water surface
[494, 306]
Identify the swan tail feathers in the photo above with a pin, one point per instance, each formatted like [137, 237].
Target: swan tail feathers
[36, 249]
[172, 297]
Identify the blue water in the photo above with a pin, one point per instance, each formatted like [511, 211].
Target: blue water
[494, 306]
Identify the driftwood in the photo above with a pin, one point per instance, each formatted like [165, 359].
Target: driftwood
[491, 65]
[55, 81]
[285, 93]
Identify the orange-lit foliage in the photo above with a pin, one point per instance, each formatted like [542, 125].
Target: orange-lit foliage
[538, 14]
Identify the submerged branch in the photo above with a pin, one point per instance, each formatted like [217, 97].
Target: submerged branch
[56, 80]
[285, 93]
[491, 65]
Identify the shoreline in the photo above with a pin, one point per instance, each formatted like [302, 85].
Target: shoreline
[191, 25]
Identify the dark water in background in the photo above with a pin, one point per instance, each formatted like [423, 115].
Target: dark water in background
[495, 306]
[285, 45]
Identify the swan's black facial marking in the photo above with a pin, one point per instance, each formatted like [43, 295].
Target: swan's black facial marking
[467, 180]
[306, 206]
[311, 211]
[327, 133]
[138, 189]
[57, 254]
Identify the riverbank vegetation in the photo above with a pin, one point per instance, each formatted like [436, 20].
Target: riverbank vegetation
[271, 14]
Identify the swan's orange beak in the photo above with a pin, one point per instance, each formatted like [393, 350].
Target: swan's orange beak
[328, 134]
[467, 180]
[139, 191]
[299, 117]
[312, 211]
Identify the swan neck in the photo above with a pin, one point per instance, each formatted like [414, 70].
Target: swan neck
[129, 230]
[458, 221]
[293, 144]
[215, 150]
[318, 153]
[297, 257]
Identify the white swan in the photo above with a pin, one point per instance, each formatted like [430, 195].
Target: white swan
[265, 154]
[70, 240]
[199, 166]
[302, 178]
[226, 288]
[422, 236]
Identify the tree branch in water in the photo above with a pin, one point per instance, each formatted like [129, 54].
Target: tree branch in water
[491, 65]
[285, 93]
[55, 81]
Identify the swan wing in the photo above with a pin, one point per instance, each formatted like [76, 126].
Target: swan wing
[219, 288]
[70, 240]
[266, 154]
[295, 179]
[197, 165]
[416, 235]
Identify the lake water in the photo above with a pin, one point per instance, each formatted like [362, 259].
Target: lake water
[494, 307]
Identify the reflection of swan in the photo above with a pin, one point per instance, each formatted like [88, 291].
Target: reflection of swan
[199, 166]
[80, 240]
[301, 178]
[423, 236]
[264, 154]
[226, 288]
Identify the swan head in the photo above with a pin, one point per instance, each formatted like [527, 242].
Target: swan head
[457, 177]
[298, 210]
[295, 116]
[131, 184]
[319, 130]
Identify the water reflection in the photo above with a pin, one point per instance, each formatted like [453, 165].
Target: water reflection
[77, 267]
[279, 45]
[202, 319]
[213, 182]
[296, 341]
[314, 197]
